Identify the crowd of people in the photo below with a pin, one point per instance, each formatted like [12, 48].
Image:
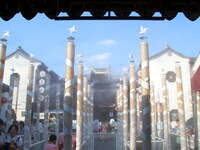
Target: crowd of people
[175, 130]
[104, 127]
[11, 140]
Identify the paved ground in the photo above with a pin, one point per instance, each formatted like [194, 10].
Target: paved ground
[108, 142]
[105, 142]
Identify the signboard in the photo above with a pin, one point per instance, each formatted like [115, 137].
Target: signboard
[41, 115]
[110, 114]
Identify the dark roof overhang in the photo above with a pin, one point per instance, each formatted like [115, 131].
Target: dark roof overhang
[122, 9]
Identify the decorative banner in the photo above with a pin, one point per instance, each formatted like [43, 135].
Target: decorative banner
[35, 115]
[41, 98]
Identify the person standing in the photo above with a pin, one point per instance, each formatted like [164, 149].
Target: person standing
[2, 134]
[12, 140]
[177, 133]
[41, 130]
[52, 143]
[61, 142]
[21, 128]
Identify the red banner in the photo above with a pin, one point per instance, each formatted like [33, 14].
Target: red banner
[196, 80]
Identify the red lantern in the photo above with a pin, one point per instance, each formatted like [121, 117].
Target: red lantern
[4, 100]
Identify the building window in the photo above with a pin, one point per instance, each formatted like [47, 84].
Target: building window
[23, 113]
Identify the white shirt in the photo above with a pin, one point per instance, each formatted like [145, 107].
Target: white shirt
[2, 137]
[40, 127]
[17, 140]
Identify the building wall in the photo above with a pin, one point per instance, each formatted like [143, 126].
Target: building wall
[20, 65]
[163, 64]
[5, 106]
[196, 65]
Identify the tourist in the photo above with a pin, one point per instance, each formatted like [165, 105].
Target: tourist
[21, 128]
[61, 142]
[105, 127]
[96, 125]
[2, 134]
[177, 133]
[12, 139]
[112, 125]
[41, 130]
[100, 127]
[52, 143]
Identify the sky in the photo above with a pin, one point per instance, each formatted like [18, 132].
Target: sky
[103, 43]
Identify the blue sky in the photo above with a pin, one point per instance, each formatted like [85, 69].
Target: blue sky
[104, 43]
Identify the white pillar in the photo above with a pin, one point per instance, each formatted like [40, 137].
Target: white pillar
[153, 106]
[125, 112]
[146, 109]
[2, 61]
[133, 108]
[85, 108]
[68, 95]
[79, 111]
[27, 133]
[165, 112]
[46, 109]
[181, 111]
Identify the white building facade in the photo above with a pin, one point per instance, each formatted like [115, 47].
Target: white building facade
[164, 63]
[18, 63]
[196, 64]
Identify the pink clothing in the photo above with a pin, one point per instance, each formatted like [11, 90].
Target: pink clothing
[61, 142]
[50, 147]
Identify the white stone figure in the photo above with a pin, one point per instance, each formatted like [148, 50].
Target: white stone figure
[48, 69]
[79, 56]
[131, 57]
[6, 33]
[125, 70]
[143, 30]
[31, 55]
[72, 30]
